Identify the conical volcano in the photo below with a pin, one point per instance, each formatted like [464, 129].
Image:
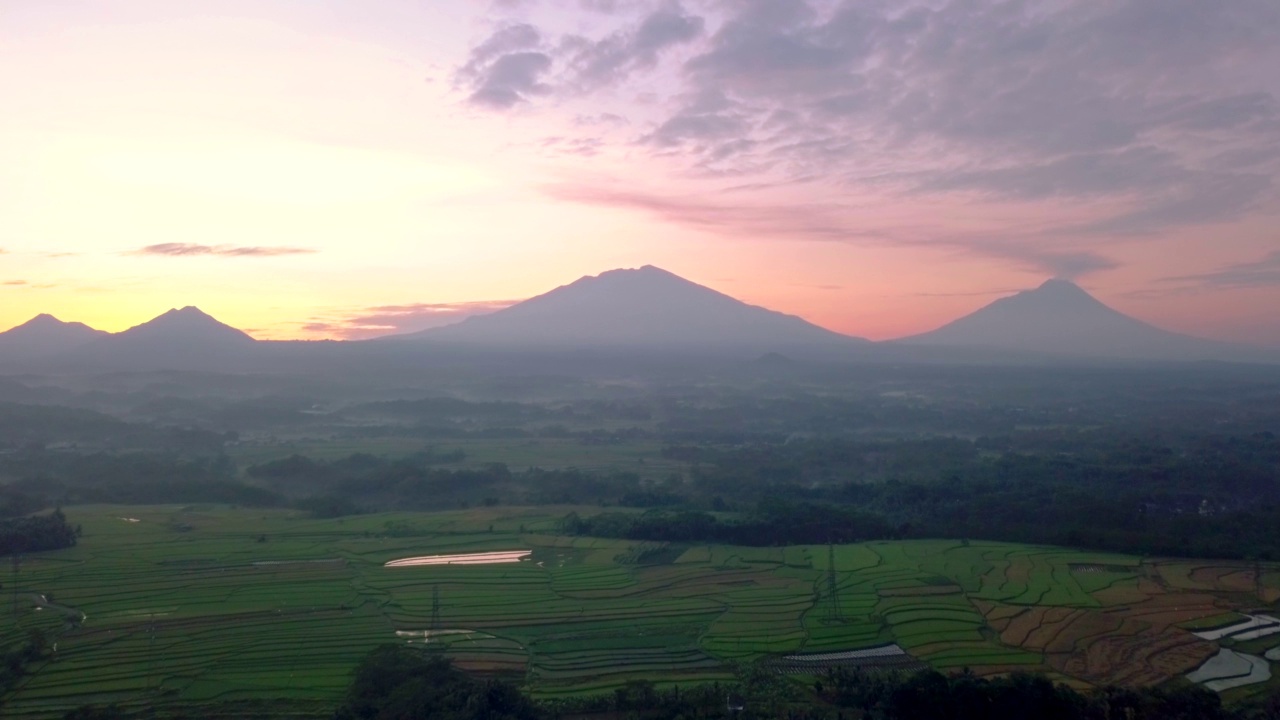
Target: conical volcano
[1061, 318]
[647, 308]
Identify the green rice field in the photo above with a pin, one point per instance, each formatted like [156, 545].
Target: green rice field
[195, 606]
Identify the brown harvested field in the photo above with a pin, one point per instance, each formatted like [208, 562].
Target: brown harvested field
[1135, 655]
[1228, 579]
[1128, 593]
[1036, 621]
[1132, 638]
[1207, 576]
[996, 613]
[1082, 629]
[1019, 571]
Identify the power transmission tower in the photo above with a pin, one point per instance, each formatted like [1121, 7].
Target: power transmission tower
[435, 607]
[151, 654]
[833, 586]
[16, 562]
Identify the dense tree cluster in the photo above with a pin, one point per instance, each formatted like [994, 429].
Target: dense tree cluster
[33, 533]
[395, 682]
[48, 477]
[931, 695]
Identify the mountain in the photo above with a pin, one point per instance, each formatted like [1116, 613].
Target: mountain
[1061, 318]
[189, 326]
[43, 336]
[186, 339]
[646, 309]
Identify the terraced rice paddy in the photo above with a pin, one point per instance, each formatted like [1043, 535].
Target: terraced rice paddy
[189, 606]
[1230, 669]
[1249, 628]
[886, 657]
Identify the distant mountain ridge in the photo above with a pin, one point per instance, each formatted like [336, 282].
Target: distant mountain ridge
[646, 308]
[185, 338]
[45, 335]
[626, 314]
[189, 324]
[1061, 318]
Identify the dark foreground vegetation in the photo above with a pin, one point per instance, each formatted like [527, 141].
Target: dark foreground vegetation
[395, 682]
[398, 683]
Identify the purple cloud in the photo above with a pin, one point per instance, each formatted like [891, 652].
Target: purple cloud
[1264, 272]
[380, 321]
[1167, 111]
[191, 249]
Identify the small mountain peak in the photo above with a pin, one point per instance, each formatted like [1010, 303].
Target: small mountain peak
[188, 311]
[44, 320]
[188, 321]
[189, 316]
[642, 271]
[1058, 290]
[1060, 285]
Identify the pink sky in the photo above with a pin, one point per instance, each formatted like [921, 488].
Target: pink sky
[316, 168]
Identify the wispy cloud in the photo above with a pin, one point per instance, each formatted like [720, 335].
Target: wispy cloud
[1261, 273]
[379, 321]
[1130, 120]
[829, 222]
[975, 293]
[191, 249]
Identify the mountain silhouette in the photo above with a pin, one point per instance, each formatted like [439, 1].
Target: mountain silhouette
[45, 335]
[188, 325]
[646, 308]
[1061, 318]
[179, 339]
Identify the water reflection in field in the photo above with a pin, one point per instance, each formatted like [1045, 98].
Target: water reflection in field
[484, 558]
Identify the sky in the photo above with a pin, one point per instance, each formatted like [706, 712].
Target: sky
[332, 169]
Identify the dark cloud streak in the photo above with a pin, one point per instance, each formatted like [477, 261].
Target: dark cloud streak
[193, 250]
[386, 320]
[1261, 273]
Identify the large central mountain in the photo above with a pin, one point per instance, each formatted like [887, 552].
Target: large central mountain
[1060, 318]
[646, 308]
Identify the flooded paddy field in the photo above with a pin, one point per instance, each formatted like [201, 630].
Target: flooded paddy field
[200, 604]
